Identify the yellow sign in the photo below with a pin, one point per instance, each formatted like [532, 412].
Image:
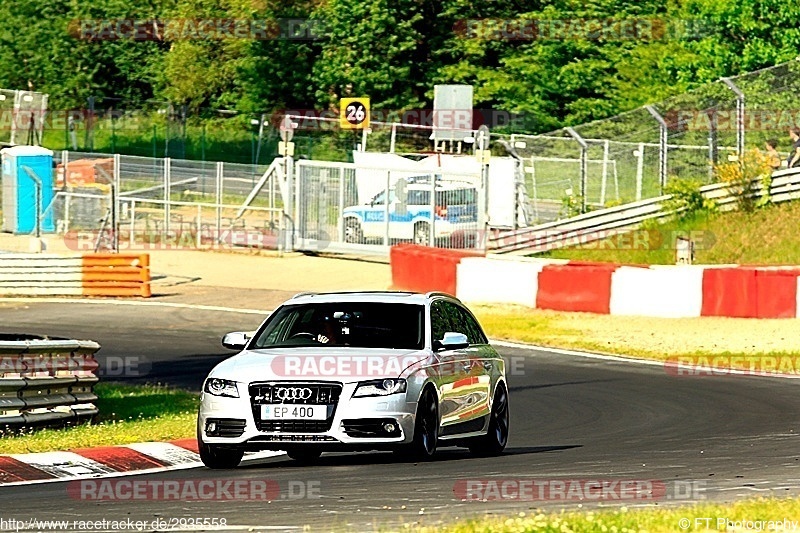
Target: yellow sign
[354, 113]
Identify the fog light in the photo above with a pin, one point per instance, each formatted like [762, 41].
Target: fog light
[211, 427]
[388, 427]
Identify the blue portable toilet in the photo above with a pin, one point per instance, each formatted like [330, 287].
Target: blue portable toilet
[19, 188]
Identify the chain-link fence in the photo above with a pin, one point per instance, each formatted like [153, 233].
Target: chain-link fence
[158, 129]
[635, 155]
[22, 117]
[168, 203]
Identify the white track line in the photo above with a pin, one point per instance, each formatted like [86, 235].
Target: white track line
[137, 303]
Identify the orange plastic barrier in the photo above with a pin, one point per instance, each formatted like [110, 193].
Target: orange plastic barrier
[750, 293]
[116, 275]
[576, 287]
[729, 292]
[423, 269]
[776, 293]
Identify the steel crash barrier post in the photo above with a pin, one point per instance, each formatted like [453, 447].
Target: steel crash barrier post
[46, 382]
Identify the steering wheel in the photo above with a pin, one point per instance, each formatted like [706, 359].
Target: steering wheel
[303, 334]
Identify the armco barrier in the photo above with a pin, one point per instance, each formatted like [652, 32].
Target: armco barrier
[424, 269]
[575, 287]
[46, 382]
[87, 275]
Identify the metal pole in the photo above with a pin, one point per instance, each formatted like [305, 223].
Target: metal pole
[167, 187]
[115, 199]
[218, 200]
[292, 200]
[662, 146]
[584, 167]
[606, 146]
[740, 109]
[114, 237]
[386, 208]
[639, 171]
[341, 203]
[393, 141]
[131, 238]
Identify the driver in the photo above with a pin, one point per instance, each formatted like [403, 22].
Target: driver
[328, 333]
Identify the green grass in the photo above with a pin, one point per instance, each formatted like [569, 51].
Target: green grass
[767, 236]
[623, 520]
[127, 414]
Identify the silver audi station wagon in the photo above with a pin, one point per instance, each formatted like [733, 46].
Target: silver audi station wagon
[353, 371]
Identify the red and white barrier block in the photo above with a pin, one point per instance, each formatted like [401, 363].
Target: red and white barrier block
[658, 291]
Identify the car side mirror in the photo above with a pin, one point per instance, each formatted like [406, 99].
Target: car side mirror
[235, 340]
[451, 341]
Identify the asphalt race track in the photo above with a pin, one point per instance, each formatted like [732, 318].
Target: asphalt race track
[714, 438]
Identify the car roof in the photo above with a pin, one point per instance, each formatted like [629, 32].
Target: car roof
[405, 297]
[450, 185]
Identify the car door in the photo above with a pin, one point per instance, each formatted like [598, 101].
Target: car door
[461, 377]
[487, 366]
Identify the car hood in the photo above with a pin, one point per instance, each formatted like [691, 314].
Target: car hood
[328, 363]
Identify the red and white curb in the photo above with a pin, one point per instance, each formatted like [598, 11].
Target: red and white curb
[102, 462]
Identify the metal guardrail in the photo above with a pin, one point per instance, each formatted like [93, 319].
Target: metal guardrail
[603, 223]
[46, 381]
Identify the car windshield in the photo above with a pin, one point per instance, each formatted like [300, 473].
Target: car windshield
[355, 324]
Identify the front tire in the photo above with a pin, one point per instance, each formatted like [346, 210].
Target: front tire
[496, 438]
[426, 428]
[218, 457]
[353, 232]
[422, 234]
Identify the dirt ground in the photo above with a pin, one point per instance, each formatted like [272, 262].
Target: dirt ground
[672, 336]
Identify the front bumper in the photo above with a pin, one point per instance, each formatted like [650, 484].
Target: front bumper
[356, 423]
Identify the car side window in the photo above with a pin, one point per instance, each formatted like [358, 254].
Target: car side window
[440, 322]
[472, 330]
[417, 197]
[448, 316]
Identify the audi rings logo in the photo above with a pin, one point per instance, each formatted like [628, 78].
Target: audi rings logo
[293, 393]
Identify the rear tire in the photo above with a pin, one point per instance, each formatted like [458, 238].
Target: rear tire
[352, 231]
[422, 234]
[496, 438]
[217, 456]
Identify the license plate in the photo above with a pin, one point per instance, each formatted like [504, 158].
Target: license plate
[294, 412]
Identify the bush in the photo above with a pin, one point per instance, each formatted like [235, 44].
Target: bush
[687, 201]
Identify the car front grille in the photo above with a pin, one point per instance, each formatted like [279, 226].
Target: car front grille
[293, 393]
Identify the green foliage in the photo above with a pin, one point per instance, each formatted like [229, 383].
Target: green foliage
[395, 51]
[686, 199]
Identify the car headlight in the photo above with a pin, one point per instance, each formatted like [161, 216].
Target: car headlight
[380, 387]
[221, 387]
